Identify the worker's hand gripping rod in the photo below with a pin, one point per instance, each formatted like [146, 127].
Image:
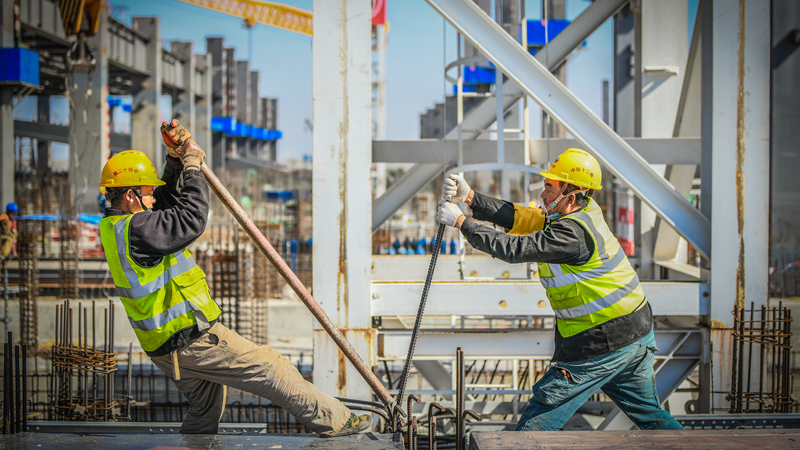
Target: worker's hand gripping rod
[418, 322]
[301, 291]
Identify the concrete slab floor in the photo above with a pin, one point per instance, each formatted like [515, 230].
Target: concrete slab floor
[777, 439]
[127, 441]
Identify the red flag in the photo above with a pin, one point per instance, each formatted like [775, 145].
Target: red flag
[378, 12]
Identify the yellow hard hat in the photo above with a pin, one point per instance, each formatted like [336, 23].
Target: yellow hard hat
[129, 168]
[577, 167]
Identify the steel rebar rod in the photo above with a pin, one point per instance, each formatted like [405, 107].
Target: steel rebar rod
[24, 399]
[291, 279]
[17, 391]
[437, 244]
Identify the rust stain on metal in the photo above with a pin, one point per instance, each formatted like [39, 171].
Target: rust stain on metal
[341, 379]
[344, 129]
[740, 154]
[717, 325]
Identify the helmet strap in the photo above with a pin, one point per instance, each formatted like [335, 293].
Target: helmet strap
[141, 202]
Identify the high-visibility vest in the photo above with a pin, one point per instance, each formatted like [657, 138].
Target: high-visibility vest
[604, 288]
[12, 225]
[159, 301]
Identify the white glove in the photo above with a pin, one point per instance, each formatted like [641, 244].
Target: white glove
[448, 213]
[456, 188]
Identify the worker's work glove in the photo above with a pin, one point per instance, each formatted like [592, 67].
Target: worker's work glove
[174, 135]
[456, 188]
[191, 155]
[448, 213]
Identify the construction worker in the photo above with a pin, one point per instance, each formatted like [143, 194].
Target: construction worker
[604, 324]
[8, 230]
[145, 235]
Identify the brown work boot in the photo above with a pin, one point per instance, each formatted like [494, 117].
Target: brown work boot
[356, 424]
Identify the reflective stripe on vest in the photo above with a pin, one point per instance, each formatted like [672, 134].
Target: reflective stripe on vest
[158, 300]
[599, 304]
[605, 287]
[136, 290]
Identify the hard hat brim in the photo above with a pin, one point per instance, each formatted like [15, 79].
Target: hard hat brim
[111, 183]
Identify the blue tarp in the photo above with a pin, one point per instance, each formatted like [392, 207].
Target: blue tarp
[230, 127]
[83, 217]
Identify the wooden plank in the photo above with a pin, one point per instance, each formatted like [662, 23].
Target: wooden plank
[777, 439]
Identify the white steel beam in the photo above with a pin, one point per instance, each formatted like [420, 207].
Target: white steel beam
[517, 298]
[588, 129]
[517, 343]
[687, 124]
[483, 115]
[740, 104]
[341, 189]
[661, 50]
[401, 191]
[684, 151]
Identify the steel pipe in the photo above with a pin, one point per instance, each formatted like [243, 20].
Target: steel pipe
[280, 265]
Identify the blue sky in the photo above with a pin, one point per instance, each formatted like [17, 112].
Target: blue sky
[419, 47]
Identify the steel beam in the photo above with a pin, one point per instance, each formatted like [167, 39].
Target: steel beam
[483, 115]
[341, 189]
[533, 343]
[683, 151]
[401, 191]
[687, 124]
[588, 129]
[517, 298]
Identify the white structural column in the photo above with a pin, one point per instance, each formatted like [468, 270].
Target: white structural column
[740, 183]
[91, 140]
[380, 106]
[6, 112]
[661, 47]
[341, 189]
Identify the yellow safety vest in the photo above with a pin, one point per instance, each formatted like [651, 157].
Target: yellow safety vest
[162, 300]
[604, 288]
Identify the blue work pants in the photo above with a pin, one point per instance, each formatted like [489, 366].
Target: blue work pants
[626, 375]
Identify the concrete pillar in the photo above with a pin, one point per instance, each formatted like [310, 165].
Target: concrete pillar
[91, 143]
[183, 107]
[341, 189]
[740, 116]
[202, 107]
[145, 110]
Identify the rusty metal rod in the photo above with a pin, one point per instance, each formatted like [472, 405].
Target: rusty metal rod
[280, 265]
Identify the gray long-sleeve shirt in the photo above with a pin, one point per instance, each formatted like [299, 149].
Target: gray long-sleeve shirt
[563, 242]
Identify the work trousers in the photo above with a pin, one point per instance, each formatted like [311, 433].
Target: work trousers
[625, 375]
[220, 358]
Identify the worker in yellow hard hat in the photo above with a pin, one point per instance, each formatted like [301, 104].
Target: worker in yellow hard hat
[146, 233]
[604, 324]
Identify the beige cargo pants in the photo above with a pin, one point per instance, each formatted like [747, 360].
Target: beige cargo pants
[223, 358]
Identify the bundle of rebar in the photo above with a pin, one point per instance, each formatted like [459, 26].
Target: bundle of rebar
[15, 388]
[28, 282]
[762, 381]
[81, 371]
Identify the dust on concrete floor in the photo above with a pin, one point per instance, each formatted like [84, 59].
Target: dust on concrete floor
[127, 441]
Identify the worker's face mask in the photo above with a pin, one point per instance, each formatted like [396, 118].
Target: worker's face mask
[547, 210]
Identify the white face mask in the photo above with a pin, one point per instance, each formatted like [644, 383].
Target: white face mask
[555, 215]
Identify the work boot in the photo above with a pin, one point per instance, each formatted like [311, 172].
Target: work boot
[356, 424]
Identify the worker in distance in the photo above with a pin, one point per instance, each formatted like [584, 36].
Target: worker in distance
[604, 325]
[146, 232]
[8, 230]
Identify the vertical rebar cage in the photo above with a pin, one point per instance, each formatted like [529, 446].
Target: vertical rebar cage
[762, 379]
